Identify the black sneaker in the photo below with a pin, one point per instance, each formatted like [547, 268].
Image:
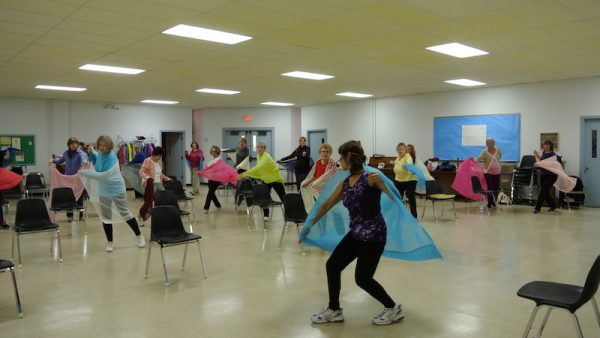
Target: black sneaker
[536, 211]
[551, 209]
[5, 226]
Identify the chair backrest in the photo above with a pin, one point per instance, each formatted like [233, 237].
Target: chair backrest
[63, 198]
[433, 187]
[244, 186]
[166, 222]
[31, 213]
[261, 194]
[165, 197]
[477, 189]
[527, 161]
[591, 283]
[175, 186]
[34, 180]
[293, 208]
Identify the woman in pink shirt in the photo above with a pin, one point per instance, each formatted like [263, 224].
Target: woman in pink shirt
[491, 168]
[195, 157]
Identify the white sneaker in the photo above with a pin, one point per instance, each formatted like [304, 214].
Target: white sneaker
[328, 316]
[109, 247]
[389, 315]
[141, 241]
[206, 211]
[265, 218]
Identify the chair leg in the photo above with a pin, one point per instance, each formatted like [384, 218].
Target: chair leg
[12, 245]
[454, 209]
[541, 329]
[148, 259]
[190, 220]
[282, 232]
[201, 260]
[434, 212]
[184, 256]
[595, 305]
[19, 250]
[84, 221]
[17, 298]
[577, 326]
[530, 322]
[60, 258]
[162, 256]
[424, 206]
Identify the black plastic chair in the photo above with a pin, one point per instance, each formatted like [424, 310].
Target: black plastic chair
[261, 196]
[434, 193]
[244, 192]
[177, 187]
[478, 190]
[63, 200]
[168, 197]
[167, 230]
[8, 266]
[562, 296]
[32, 216]
[293, 211]
[35, 183]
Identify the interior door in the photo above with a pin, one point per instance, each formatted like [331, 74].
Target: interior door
[173, 160]
[315, 139]
[591, 163]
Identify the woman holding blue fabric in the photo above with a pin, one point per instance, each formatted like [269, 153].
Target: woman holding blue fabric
[106, 188]
[365, 242]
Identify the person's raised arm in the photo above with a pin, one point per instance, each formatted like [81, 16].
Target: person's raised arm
[374, 181]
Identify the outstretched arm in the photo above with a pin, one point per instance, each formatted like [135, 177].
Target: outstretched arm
[374, 181]
[325, 207]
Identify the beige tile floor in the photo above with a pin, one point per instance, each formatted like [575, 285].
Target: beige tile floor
[254, 290]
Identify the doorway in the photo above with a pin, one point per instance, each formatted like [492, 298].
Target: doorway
[173, 143]
[590, 161]
[315, 139]
[231, 138]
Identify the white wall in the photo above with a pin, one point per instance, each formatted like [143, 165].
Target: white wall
[54, 121]
[545, 107]
[209, 124]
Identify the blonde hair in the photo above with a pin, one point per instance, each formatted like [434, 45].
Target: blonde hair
[106, 140]
[326, 146]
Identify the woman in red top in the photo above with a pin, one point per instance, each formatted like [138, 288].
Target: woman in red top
[321, 171]
[195, 157]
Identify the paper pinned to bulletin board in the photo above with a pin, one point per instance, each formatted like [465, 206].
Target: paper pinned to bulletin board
[21, 149]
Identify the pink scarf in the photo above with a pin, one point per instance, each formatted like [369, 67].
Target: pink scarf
[58, 180]
[220, 172]
[462, 180]
[564, 182]
[8, 179]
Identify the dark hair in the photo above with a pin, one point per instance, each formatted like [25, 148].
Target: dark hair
[550, 143]
[192, 145]
[357, 155]
[72, 140]
[217, 149]
[158, 151]
[411, 150]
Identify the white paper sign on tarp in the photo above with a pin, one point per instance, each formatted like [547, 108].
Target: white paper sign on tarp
[474, 135]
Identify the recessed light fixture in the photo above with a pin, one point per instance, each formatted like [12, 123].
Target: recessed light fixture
[281, 104]
[457, 50]
[68, 89]
[307, 75]
[206, 34]
[159, 101]
[112, 69]
[465, 82]
[217, 91]
[351, 94]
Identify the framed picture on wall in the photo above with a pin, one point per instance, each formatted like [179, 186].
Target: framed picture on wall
[552, 137]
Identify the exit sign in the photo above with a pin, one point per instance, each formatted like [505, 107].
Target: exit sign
[247, 118]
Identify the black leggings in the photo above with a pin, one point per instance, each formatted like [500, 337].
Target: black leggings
[493, 183]
[108, 229]
[546, 182]
[300, 176]
[212, 196]
[367, 255]
[409, 187]
[279, 189]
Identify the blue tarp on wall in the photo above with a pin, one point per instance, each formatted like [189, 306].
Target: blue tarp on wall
[449, 141]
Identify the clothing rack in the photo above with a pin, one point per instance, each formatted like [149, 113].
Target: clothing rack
[128, 139]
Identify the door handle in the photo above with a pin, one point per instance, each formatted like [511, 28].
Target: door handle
[586, 169]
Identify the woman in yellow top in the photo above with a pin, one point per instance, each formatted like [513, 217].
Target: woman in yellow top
[491, 168]
[266, 169]
[405, 181]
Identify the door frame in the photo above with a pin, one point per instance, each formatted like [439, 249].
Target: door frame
[583, 120]
[308, 131]
[225, 130]
[183, 145]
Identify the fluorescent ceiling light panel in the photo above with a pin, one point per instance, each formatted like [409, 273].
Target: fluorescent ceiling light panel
[217, 91]
[351, 94]
[465, 82]
[200, 33]
[111, 69]
[307, 75]
[68, 89]
[160, 102]
[457, 50]
[281, 104]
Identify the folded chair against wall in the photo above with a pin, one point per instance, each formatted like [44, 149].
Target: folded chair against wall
[576, 197]
[63, 200]
[434, 193]
[167, 230]
[524, 181]
[8, 266]
[32, 217]
[168, 197]
[261, 197]
[293, 211]
[563, 296]
[35, 183]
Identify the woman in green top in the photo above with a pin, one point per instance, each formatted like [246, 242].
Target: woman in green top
[266, 170]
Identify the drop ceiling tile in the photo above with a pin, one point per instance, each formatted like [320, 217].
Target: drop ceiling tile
[574, 31]
[52, 8]
[452, 30]
[357, 21]
[110, 30]
[583, 8]
[542, 13]
[245, 11]
[159, 12]
[8, 28]
[30, 18]
[204, 5]
[122, 20]
[311, 10]
[451, 9]
[495, 22]
[70, 35]
[230, 24]
[297, 39]
[402, 13]
[531, 38]
[337, 34]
